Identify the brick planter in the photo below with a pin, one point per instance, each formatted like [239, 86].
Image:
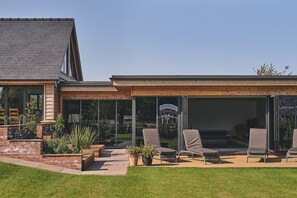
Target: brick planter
[31, 150]
[96, 149]
[87, 161]
[71, 161]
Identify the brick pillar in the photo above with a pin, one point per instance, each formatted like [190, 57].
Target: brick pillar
[39, 131]
[3, 133]
[44, 130]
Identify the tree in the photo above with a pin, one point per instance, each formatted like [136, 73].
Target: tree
[270, 70]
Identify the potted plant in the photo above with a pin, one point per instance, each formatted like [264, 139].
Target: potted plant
[147, 154]
[133, 152]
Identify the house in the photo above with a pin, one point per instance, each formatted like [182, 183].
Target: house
[36, 55]
[39, 60]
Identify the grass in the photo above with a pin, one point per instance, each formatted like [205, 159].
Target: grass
[127, 137]
[17, 181]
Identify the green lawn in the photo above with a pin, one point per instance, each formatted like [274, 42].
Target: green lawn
[16, 181]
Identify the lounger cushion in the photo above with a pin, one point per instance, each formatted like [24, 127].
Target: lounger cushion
[205, 152]
[151, 137]
[257, 151]
[293, 151]
[165, 151]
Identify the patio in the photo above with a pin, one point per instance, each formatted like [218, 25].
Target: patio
[114, 161]
[230, 161]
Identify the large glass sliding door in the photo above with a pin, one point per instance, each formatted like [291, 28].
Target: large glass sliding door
[287, 120]
[168, 121]
[145, 116]
[161, 113]
[225, 122]
[124, 122]
[110, 119]
[107, 121]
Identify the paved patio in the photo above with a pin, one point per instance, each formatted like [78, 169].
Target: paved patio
[111, 162]
[228, 161]
[115, 162]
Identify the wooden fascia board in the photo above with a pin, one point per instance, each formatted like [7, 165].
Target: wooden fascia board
[174, 83]
[96, 95]
[214, 91]
[76, 58]
[87, 89]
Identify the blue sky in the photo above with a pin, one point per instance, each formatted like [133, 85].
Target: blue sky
[197, 37]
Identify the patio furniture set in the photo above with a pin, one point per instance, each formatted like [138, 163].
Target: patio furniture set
[193, 145]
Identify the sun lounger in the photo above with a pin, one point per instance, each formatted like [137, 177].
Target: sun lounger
[257, 144]
[151, 137]
[194, 146]
[292, 152]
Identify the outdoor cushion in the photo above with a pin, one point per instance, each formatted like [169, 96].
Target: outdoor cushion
[257, 151]
[151, 137]
[165, 151]
[194, 146]
[293, 150]
[205, 152]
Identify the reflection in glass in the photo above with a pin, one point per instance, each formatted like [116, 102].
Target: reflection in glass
[287, 113]
[145, 116]
[168, 121]
[71, 114]
[13, 101]
[107, 121]
[124, 119]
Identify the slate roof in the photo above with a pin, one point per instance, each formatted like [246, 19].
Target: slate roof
[33, 49]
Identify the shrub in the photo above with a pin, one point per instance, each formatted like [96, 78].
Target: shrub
[134, 150]
[148, 151]
[81, 138]
[32, 119]
[57, 146]
[59, 127]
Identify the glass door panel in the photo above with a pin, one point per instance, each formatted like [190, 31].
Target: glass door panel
[168, 121]
[124, 122]
[287, 117]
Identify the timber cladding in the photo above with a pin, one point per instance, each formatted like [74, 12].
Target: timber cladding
[49, 101]
[213, 90]
[100, 95]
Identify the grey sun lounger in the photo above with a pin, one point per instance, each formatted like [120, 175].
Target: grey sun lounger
[292, 152]
[257, 144]
[194, 146]
[151, 137]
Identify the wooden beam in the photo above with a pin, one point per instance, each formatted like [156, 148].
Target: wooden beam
[87, 88]
[119, 95]
[213, 91]
[211, 82]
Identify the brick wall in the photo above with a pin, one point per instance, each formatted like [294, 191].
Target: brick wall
[23, 149]
[31, 150]
[72, 161]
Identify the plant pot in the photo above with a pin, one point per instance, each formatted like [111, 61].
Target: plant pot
[147, 161]
[133, 160]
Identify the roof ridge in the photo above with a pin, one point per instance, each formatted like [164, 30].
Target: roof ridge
[36, 19]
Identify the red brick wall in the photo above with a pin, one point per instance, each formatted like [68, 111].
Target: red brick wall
[22, 149]
[3, 133]
[72, 161]
[31, 150]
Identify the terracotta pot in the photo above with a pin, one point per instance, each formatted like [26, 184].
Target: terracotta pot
[133, 160]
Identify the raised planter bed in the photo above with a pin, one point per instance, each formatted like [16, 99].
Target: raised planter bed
[87, 161]
[71, 161]
[95, 149]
